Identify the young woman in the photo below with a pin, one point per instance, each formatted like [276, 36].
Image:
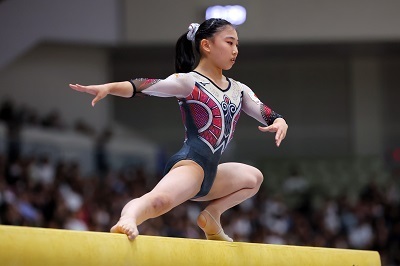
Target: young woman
[210, 104]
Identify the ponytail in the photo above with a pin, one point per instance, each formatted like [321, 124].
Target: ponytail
[184, 55]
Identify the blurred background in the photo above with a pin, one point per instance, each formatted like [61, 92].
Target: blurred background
[331, 68]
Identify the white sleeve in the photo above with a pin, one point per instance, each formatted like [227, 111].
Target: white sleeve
[255, 108]
[178, 85]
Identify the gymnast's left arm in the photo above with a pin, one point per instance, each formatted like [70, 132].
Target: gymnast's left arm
[255, 108]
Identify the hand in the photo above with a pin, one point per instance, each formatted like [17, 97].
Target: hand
[100, 91]
[280, 127]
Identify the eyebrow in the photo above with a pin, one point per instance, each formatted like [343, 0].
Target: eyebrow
[233, 38]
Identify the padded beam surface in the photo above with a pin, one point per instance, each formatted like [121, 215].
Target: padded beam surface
[39, 246]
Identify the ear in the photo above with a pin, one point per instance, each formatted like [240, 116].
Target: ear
[205, 45]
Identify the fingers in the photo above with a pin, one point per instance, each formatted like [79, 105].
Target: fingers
[280, 133]
[74, 87]
[81, 88]
[94, 90]
[97, 98]
[279, 136]
[270, 128]
[77, 87]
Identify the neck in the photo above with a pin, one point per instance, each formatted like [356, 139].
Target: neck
[209, 70]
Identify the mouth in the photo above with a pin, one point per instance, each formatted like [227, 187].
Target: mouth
[233, 60]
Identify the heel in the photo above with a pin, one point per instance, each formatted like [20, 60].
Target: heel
[220, 235]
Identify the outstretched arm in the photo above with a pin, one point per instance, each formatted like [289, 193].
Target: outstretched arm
[255, 108]
[123, 89]
[176, 85]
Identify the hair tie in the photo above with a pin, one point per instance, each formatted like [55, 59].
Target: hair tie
[192, 29]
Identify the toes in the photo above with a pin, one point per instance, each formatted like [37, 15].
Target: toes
[114, 229]
[130, 231]
[221, 236]
[127, 229]
[132, 235]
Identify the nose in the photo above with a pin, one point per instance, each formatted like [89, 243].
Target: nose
[235, 51]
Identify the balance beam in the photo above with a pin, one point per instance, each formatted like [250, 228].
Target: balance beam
[40, 246]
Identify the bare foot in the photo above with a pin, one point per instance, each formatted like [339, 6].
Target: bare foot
[211, 227]
[127, 226]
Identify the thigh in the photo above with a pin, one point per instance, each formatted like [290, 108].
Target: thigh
[232, 177]
[181, 183]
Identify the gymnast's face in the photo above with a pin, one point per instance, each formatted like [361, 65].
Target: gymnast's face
[222, 48]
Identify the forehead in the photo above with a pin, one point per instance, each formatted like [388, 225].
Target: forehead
[227, 32]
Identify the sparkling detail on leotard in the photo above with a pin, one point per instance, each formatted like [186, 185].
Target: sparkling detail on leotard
[268, 114]
[144, 83]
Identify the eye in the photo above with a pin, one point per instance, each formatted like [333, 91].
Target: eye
[230, 43]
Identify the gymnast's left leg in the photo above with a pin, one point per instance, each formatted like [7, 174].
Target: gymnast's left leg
[234, 183]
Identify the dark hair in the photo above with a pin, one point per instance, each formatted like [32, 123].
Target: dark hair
[185, 57]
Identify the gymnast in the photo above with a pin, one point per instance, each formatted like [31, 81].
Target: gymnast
[211, 104]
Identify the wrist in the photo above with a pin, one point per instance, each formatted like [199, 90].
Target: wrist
[108, 88]
[134, 90]
[121, 89]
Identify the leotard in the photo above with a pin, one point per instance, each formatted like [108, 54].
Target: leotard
[209, 114]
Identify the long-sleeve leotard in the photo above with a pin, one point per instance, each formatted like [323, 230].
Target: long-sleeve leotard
[256, 109]
[209, 114]
[176, 85]
[180, 85]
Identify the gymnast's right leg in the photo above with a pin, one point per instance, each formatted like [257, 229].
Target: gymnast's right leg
[182, 183]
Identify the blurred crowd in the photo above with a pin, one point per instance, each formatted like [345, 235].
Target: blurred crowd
[16, 116]
[36, 191]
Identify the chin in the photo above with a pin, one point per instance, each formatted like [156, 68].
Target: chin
[227, 67]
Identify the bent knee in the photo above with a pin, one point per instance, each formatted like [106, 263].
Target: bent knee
[161, 203]
[255, 178]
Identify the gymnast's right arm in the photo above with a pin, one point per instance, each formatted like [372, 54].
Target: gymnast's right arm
[176, 85]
